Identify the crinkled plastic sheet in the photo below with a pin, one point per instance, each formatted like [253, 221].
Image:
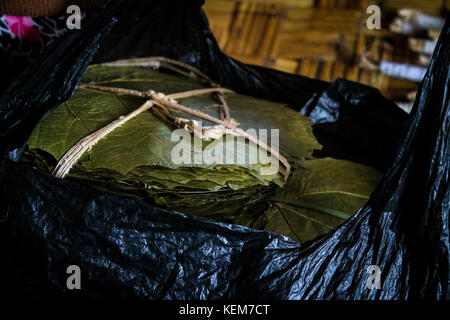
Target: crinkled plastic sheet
[355, 122]
[126, 248]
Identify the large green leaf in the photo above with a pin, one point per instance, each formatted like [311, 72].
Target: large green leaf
[319, 197]
[135, 159]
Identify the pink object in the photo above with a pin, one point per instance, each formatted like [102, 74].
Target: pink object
[22, 27]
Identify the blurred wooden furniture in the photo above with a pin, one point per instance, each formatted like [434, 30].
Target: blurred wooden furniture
[317, 38]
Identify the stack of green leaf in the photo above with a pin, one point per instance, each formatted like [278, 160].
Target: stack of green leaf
[135, 159]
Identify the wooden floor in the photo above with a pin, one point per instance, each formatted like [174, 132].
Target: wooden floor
[321, 39]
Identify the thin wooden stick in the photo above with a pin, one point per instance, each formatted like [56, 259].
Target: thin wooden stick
[129, 92]
[145, 94]
[163, 62]
[85, 144]
[155, 62]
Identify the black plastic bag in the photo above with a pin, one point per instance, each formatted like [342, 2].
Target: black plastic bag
[126, 248]
[355, 122]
